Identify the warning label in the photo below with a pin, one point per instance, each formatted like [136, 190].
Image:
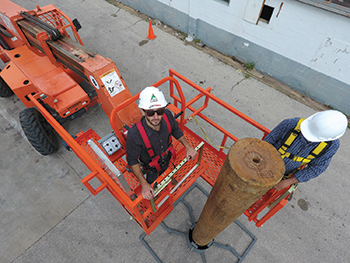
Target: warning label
[112, 82]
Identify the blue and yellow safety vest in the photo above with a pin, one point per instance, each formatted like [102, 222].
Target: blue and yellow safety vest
[289, 139]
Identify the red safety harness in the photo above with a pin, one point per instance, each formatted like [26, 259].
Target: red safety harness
[155, 159]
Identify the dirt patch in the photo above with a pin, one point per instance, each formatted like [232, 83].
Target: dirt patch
[303, 204]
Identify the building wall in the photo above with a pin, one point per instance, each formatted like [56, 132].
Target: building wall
[303, 46]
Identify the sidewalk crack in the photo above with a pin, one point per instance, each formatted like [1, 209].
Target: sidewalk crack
[239, 82]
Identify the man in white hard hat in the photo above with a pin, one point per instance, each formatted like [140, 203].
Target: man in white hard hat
[149, 141]
[307, 146]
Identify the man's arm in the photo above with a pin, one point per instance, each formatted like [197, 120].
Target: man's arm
[286, 182]
[133, 151]
[147, 190]
[318, 165]
[191, 153]
[276, 135]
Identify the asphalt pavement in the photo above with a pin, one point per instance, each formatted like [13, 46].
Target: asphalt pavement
[47, 215]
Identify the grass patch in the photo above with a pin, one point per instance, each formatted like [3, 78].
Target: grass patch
[250, 65]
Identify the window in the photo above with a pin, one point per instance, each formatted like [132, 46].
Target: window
[342, 2]
[266, 13]
[226, 1]
[341, 7]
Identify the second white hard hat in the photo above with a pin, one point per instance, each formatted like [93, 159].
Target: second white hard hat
[150, 98]
[324, 126]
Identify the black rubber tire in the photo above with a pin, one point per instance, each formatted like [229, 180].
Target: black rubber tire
[5, 90]
[39, 132]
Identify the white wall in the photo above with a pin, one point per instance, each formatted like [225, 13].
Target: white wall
[311, 36]
[304, 47]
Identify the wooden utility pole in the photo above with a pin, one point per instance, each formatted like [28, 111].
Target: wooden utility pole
[251, 168]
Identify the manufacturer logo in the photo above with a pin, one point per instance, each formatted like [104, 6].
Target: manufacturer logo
[74, 105]
[153, 98]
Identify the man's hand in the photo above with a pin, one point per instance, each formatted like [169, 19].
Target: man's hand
[285, 183]
[147, 191]
[191, 153]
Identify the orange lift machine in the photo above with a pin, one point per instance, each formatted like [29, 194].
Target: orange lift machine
[58, 79]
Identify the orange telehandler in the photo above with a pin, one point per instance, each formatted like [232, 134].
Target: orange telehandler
[58, 79]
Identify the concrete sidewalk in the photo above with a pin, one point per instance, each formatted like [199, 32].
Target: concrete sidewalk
[47, 215]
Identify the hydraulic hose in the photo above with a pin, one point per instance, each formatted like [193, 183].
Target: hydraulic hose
[4, 44]
[52, 31]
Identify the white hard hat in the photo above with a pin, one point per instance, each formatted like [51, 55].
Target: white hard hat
[324, 126]
[150, 98]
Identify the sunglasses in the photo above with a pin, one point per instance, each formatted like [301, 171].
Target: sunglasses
[150, 113]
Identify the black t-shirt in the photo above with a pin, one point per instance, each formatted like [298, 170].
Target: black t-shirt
[135, 147]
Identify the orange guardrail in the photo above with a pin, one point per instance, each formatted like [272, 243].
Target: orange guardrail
[138, 208]
[188, 105]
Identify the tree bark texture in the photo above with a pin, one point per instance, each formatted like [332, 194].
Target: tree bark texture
[251, 168]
